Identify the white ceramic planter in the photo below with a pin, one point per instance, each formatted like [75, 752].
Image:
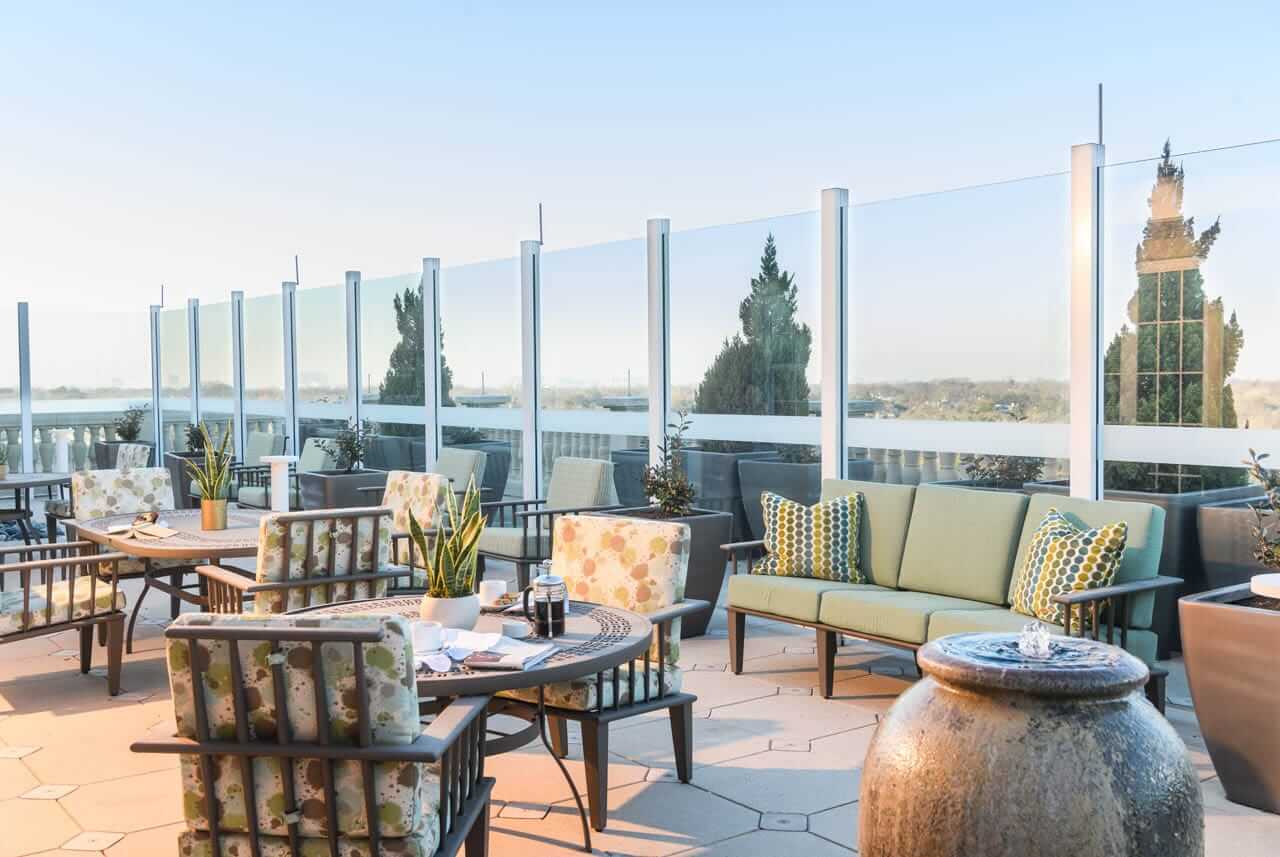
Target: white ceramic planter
[461, 613]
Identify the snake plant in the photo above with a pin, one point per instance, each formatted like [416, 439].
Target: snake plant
[451, 571]
[213, 472]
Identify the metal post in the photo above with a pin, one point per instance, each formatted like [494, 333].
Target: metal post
[835, 332]
[431, 358]
[530, 364]
[353, 346]
[289, 313]
[26, 429]
[193, 356]
[237, 373]
[658, 270]
[1086, 320]
[157, 414]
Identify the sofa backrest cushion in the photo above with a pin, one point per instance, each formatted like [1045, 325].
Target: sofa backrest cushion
[882, 525]
[961, 542]
[1142, 547]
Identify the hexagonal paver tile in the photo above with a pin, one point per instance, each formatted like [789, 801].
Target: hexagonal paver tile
[49, 792]
[15, 752]
[786, 821]
[795, 718]
[769, 843]
[713, 741]
[780, 781]
[33, 826]
[649, 819]
[128, 804]
[531, 776]
[873, 692]
[156, 840]
[838, 824]
[15, 779]
[1232, 830]
[105, 733]
[92, 840]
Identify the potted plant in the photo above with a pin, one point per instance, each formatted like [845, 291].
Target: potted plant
[128, 429]
[451, 598]
[671, 493]
[340, 488]
[213, 474]
[1229, 638]
[176, 462]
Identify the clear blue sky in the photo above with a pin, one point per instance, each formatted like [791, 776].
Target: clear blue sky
[203, 146]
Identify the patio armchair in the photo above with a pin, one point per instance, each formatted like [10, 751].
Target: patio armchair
[460, 466]
[131, 456]
[638, 565]
[301, 736]
[521, 531]
[256, 445]
[344, 556]
[255, 480]
[99, 493]
[65, 586]
[418, 494]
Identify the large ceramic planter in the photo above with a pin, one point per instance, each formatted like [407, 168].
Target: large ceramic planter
[1225, 531]
[708, 529]
[995, 755]
[105, 452]
[461, 613]
[1230, 640]
[337, 489]
[180, 477]
[799, 482]
[1180, 555]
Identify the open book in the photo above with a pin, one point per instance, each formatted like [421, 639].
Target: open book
[140, 531]
[509, 654]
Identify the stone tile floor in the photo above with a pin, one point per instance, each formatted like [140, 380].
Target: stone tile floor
[776, 766]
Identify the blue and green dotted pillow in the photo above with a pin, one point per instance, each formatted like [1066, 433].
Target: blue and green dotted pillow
[818, 541]
[1064, 558]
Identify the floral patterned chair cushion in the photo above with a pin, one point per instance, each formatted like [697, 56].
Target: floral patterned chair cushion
[407, 793]
[133, 455]
[631, 563]
[97, 493]
[191, 844]
[417, 494]
[11, 604]
[283, 555]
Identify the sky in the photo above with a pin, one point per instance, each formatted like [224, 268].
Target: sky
[203, 147]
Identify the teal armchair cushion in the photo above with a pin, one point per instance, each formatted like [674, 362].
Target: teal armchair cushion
[962, 542]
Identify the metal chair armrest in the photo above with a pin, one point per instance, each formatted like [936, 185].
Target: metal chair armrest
[1133, 587]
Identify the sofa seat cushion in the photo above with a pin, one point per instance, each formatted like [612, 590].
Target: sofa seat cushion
[86, 603]
[1141, 644]
[513, 542]
[901, 616]
[789, 597]
[818, 541]
[962, 542]
[259, 497]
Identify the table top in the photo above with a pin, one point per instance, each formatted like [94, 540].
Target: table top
[596, 638]
[22, 481]
[239, 539]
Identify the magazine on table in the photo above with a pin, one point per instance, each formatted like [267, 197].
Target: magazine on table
[509, 654]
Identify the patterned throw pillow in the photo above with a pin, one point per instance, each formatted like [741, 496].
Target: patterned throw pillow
[1064, 558]
[812, 541]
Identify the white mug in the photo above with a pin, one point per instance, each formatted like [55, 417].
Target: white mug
[427, 637]
[492, 590]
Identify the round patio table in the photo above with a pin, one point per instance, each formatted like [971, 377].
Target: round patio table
[597, 638]
[21, 484]
[190, 543]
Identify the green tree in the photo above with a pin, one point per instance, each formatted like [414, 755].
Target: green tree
[403, 383]
[761, 369]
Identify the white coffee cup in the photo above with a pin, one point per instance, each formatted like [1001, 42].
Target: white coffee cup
[492, 590]
[427, 637]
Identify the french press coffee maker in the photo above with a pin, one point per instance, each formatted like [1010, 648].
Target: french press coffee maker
[550, 601]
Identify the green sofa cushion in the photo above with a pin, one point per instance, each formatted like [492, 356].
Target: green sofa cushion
[1142, 548]
[882, 526]
[790, 597]
[902, 616]
[1142, 644]
[962, 542]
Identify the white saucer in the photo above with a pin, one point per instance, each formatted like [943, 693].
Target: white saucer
[1265, 585]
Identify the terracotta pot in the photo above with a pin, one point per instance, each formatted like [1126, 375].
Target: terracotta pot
[461, 613]
[213, 514]
[997, 754]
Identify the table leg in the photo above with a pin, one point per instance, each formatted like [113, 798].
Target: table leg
[577, 798]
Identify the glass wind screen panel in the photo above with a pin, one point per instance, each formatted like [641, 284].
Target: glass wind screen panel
[745, 304]
[391, 346]
[1189, 310]
[88, 390]
[264, 365]
[958, 336]
[480, 377]
[323, 401]
[175, 377]
[10, 407]
[595, 356]
[215, 344]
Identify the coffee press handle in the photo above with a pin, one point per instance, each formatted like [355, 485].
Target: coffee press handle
[524, 600]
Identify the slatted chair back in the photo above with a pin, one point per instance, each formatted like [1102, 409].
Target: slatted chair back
[262, 443]
[301, 736]
[460, 466]
[319, 557]
[580, 482]
[97, 493]
[58, 584]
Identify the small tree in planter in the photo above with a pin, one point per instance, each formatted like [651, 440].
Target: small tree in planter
[1267, 520]
[129, 424]
[341, 488]
[350, 445]
[1005, 471]
[196, 435]
[665, 483]
[450, 598]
